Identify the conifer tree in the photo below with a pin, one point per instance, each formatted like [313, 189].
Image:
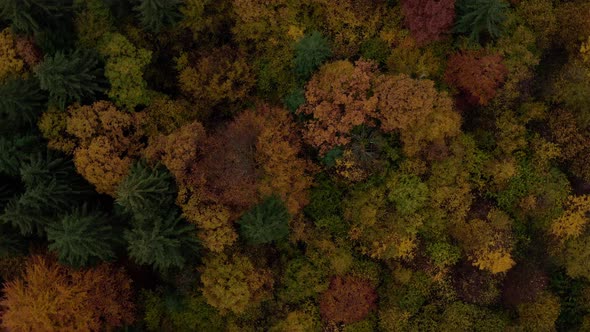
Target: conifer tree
[20, 102]
[156, 14]
[145, 190]
[310, 52]
[81, 236]
[162, 242]
[266, 222]
[480, 16]
[31, 16]
[70, 77]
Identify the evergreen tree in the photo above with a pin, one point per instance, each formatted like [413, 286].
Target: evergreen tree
[162, 242]
[51, 186]
[480, 16]
[146, 190]
[20, 103]
[16, 150]
[32, 16]
[266, 222]
[81, 236]
[156, 14]
[71, 77]
[310, 52]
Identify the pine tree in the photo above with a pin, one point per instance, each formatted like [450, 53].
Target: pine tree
[81, 236]
[162, 242]
[32, 16]
[21, 101]
[156, 14]
[480, 16]
[71, 77]
[266, 222]
[310, 52]
[146, 190]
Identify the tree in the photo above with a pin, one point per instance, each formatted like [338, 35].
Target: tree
[21, 101]
[10, 63]
[32, 16]
[50, 297]
[480, 16]
[416, 110]
[338, 99]
[347, 300]
[107, 142]
[81, 237]
[428, 20]
[539, 315]
[162, 242]
[572, 223]
[156, 14]
[72, 77]
[233, 283]
[310, 52]
[476, 75]
[265, 223]
[146, 190]
[125, 64]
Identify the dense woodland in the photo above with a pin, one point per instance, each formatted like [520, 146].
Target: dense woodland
[294, 165]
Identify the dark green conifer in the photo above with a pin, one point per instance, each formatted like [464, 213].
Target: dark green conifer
[266, 222]
[157, 14]
[146, 190]
[475, 17]
[21, 101]
[81, 236]
[310, 52]
[71, 77]
[32, 16]
[162, 242]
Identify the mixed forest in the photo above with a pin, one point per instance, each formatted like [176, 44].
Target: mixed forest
[294, 165]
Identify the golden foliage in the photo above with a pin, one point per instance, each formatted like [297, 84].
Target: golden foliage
[573, 221]
[10, 63]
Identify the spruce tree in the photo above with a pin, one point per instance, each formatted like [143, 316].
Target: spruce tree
[21, 102]
[266, 222]
[480, 16]
[146, 190]
[157, 14]
[71, 77]
[310, 52]
[162, 242]
[32, 16]
[81, 236]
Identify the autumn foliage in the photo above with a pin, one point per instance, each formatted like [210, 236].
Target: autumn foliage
[428, 20]
[476, 75]
[348, 300]
[51, 297]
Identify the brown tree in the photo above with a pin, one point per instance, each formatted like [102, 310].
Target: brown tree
[428, 20]
[52, 297]
[338, 99]
[476, 75]
[348, 300]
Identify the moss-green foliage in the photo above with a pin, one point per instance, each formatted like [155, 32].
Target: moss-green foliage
[302, 280]
[81, 236]
[443, 254]
[50, 187]
[477, 17]
[125, 64]
[162, 242]
[157, 14]
[408, 193]
[310, 52]
[70, 77]
[146, 190]
[21, 101]
[376, 49]
[325, 199]
[265, 223]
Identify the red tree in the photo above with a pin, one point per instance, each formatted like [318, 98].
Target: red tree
[476, 75]
[428, 20]
[348, 300]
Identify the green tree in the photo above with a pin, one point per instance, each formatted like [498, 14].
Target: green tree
[162, 242]
[310, 52]
[21, 101]
[31, 16]
[81, 236]
[146, 190]
[156, 14]
[266, 222]
[480, 16]
[71, 77]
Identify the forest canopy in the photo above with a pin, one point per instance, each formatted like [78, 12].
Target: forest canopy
[294, 165]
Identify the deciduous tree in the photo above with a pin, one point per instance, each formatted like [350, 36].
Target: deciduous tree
[428, 20]
[347, 300]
